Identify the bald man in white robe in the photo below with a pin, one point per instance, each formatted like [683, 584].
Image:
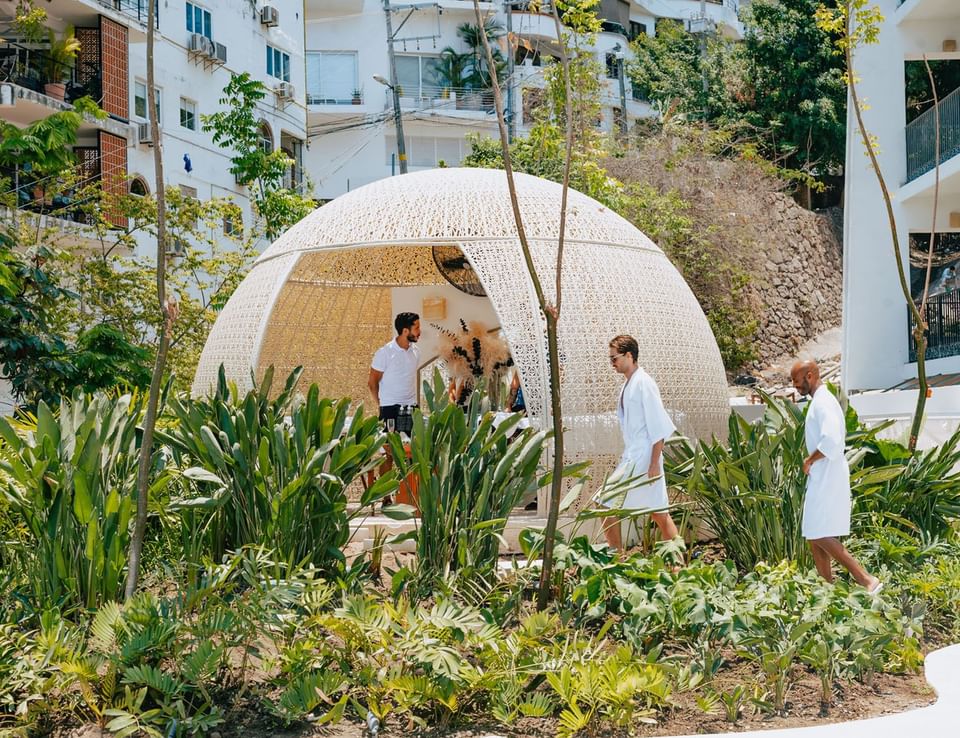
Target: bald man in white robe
[827, 503]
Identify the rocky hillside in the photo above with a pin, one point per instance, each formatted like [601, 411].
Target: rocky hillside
[748, 250]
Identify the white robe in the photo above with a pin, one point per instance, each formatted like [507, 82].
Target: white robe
[643, 422]
[826, 507]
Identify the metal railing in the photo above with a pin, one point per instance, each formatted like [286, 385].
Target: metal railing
[136, 9]
[943, 327]
[31, 69]
[921, 136]
[441, 99]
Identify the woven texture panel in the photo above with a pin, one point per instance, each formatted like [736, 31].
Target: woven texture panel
[332, 310]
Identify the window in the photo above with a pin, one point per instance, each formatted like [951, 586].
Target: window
[613, 66]
[278, 64]
[331, 77]
[417, 75]
[140, 100]
[637, 29]
[199, 20]
[138, 187]
[266, 138]
[427, 151]
[232, 222]
[188, 114]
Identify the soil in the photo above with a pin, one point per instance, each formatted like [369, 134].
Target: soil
[851, 701]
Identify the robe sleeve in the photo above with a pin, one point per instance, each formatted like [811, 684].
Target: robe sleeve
[659, 423]
[833, 431]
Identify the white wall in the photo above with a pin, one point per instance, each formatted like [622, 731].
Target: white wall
[459, 305]
[236, 25]
[341, 160]
[875, 345]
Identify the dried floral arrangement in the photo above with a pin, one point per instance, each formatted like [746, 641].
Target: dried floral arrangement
[473, 351]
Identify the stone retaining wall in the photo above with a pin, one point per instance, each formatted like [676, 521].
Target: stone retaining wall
[797, 275]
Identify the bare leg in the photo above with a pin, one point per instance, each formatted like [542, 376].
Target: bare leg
[668, 529]
[834, 548]
[611, 531]
[822, 560]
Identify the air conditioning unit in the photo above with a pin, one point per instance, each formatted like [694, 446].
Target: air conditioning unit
[144, 135]
[220, 53]
[269, 16]
[176, 247]
[285, 91]
[198, 43]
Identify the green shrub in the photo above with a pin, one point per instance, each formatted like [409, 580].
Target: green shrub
[273, 472]
[69, 494]
[470, 477]
[748, 491]
[922, 498]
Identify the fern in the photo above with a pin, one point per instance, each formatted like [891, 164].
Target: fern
[572, 721]
[203, 664]
[537, 705]
[304, 695]
[103, 629]
[157, 680]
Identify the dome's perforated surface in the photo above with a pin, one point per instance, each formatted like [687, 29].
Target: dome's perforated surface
[319, 296]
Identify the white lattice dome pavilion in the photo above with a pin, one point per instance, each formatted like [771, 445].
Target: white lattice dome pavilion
[324, 295]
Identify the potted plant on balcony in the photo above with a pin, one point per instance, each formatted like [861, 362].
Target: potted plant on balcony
[357, 98]
[58, 62]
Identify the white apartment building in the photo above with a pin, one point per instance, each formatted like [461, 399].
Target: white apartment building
[199, 44]
[351, 132]
[877, 342]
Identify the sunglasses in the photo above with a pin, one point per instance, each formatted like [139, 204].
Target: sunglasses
[614, 357]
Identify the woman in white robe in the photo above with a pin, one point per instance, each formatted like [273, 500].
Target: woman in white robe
[645, 426]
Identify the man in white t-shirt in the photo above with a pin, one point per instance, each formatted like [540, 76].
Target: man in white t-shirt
[393, 373]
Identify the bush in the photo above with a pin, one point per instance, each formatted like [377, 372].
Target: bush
[470, 477]
[70, 494]
[749, 491]
[272, 472]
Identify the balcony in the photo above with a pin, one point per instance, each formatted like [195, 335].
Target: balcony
[943, 327]
[926, 10]
[921, 135]
[454, 102]
[131, 14]
[26, 96]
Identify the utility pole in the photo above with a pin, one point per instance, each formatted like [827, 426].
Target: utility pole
[618, 50]
[395, 89]
[703, 60]
[511, 113]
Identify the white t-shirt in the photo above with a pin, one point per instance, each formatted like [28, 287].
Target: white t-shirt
[398, 386]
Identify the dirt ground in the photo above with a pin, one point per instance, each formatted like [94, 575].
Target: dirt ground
[851, 701]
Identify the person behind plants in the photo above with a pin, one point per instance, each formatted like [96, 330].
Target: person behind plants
[826, 505]
[393, 373]
[645, 425]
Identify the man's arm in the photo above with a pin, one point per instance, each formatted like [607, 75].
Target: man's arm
[374, 384]
[811, 460]
[654, 470]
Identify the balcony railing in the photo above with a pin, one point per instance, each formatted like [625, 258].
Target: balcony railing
[943, 327]
[922, 136]
[136, 9]
[30, 68]
[444, 99]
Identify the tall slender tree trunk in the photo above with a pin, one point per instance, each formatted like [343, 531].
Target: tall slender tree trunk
[168, 313]
[551, 312]
[919, 332]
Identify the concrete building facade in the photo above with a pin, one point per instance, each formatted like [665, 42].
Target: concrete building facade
[351, 130]
[877, 349]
